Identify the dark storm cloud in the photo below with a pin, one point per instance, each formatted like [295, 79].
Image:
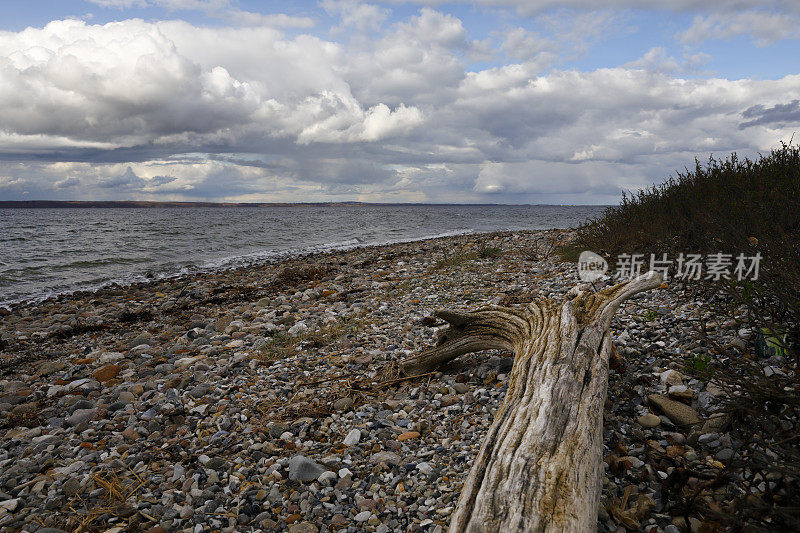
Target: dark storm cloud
[782, 115]
[161, 180]
[127, 180]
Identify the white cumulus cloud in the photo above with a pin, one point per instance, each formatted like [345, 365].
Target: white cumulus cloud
[764, 27]
[175, 110]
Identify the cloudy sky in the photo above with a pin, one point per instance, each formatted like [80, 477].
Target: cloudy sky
[498, 101]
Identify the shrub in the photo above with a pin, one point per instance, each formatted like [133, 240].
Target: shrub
[489, 252]
[733, 206]
[483, 251]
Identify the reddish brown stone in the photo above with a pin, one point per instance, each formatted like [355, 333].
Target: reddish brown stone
[408, 435]
[131, 434]
[107, 373]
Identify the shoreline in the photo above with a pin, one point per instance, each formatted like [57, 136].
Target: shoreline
[268, 398]
[237, 262]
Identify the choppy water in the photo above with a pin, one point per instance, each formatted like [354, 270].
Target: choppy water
[50, 251]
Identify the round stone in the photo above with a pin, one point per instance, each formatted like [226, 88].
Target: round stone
[648, 420]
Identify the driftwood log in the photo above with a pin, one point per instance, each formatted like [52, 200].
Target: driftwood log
[539, 468]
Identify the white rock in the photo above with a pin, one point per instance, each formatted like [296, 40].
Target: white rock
[363, 516]
[298, 329]
[110, 357]
[200, 409]
[77, 383]
[678, 389]
[344, 472]
[185, 362]
[235, 325]
[352, 437]
[770, 371]
[177, 473]
[425, 468]
[671, 377]
[11, 505]
[327, 477]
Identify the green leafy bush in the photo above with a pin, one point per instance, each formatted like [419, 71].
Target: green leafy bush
[698, 364]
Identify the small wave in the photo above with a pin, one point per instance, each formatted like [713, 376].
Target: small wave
[96, 285]
[171, 248]
[349, 244]
[173, 270]
[106, 261]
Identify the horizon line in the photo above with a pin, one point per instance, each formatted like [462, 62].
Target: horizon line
[33, 204]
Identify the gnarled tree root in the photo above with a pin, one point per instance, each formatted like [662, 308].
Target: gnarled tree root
[539, 468]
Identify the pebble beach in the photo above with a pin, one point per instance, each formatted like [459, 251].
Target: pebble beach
[268, 398]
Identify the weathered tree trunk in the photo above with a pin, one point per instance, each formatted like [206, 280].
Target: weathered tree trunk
[539, 468]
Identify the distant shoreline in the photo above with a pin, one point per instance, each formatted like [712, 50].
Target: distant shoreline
[62, 204]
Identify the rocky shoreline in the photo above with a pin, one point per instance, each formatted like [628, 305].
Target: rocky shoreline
[268, 398]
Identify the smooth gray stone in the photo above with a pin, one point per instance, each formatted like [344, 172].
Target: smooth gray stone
[302, 468]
